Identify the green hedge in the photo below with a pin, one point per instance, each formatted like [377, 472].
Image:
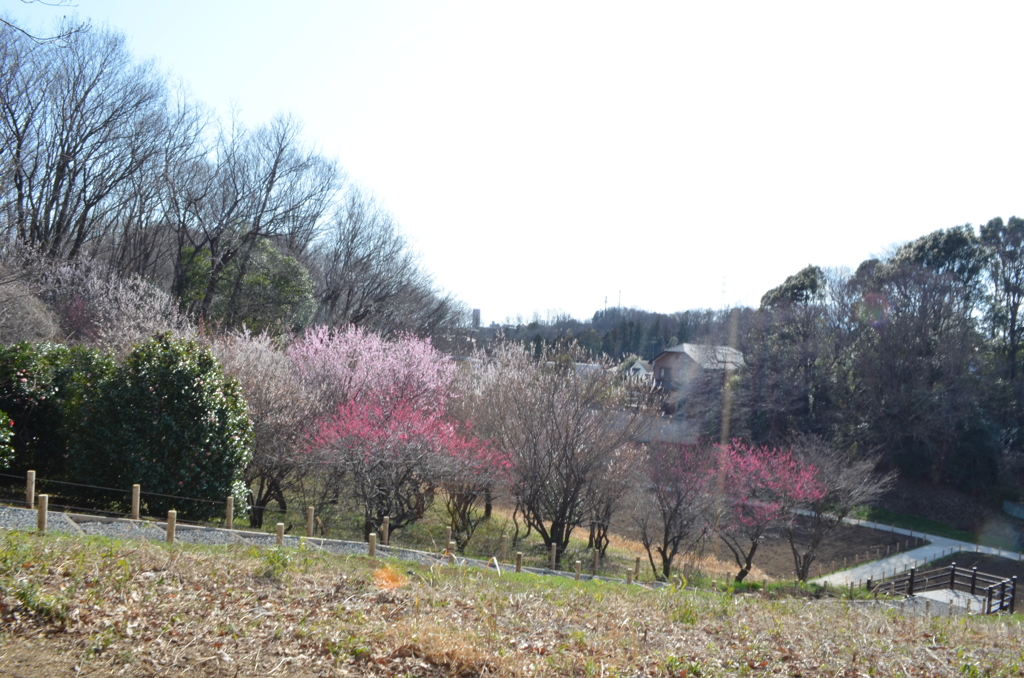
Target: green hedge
[166, 418]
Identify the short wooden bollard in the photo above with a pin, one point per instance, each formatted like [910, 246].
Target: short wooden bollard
[447, 539]
[554, 554]
[136, 495]
[172, 521]
[504, 548]
[385, 531]
[593, 565]
[519, 561]
[309, 521]
[229, 513]
[373, 544]
[280, 534]
[629, 577]
[30, 489]
[44, 504]
[578, 570]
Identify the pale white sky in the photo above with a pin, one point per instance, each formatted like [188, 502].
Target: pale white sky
[546, 155]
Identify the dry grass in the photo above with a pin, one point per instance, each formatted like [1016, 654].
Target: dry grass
[98, 607]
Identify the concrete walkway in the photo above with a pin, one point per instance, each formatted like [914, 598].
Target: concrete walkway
[901, 562]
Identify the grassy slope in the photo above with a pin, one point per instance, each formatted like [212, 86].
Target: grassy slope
[149, 609]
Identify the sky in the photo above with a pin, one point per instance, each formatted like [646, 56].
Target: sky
[558, 157]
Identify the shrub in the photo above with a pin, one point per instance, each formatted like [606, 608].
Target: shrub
[41, 388]
[169, 420]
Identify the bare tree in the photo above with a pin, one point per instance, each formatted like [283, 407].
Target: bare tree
[66, 29]
[674, 501]
[261, 185]
[848, 481]
[369, 277]
[561, 421]
[76, 122]
[281, 410]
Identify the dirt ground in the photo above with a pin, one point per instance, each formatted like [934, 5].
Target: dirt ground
[855, 544]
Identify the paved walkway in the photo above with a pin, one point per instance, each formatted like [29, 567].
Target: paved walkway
[901, 562]
[959, 599]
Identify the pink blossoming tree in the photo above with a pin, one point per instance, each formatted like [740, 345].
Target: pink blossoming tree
[757, 490]
[385, 430]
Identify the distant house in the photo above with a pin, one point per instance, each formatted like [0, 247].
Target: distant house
[641, 370]
[677, 369]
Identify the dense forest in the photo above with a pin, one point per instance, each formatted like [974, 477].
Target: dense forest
[915, 356]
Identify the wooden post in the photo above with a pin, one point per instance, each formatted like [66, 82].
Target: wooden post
[636, 570]
[229, 513]
[554, 555]
[519, 561]
[309, 520]
[504, 548]
[1013, 592]
[988, 600]
[385, 531]
[44, 504]
[629, 577]
[373, 544]
[448, 539]
[1002, 595]
[172, 521]
[593, 565]
[280, 534]
[952, 576]
[974, 579]
[577, 570]
[910, 583]
[30, 489]
[136, 491]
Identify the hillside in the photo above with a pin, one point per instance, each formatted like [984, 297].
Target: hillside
[93, 607]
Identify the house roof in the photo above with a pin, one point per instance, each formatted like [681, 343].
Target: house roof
[641, 366]
[709, 357]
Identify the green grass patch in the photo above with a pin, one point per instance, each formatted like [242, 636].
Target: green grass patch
[915, 523]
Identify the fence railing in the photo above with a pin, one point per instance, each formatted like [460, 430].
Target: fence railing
[997, 593]
[59, 497]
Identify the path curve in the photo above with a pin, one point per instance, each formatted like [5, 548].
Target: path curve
[901, 562]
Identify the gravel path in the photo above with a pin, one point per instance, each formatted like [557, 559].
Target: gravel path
[27, 520]
[21, 519]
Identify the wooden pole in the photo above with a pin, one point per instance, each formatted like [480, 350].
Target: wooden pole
[136, 493]
[504, 548]
[229, 513]
[629, 577]
[373, 544]
[636, 569]
[554, 554]
[280, 534]
[385, 531]
[448, 539]
[519, 561]
[44, 503]
[309, 520]
[577, 570]
[172, 521]
[30, 489]
[593, 566]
